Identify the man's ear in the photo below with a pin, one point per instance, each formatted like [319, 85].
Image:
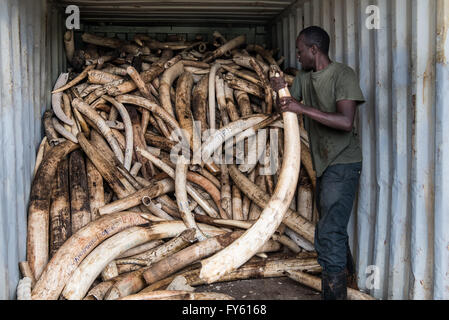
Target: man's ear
[315, 49]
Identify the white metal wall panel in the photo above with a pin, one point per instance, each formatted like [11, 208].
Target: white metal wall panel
[401, 221]
[25, 79]
[441, 253]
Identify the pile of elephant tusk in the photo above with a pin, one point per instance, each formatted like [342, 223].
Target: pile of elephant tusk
[164, 167]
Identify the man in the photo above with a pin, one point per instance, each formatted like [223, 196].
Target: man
[330, 93]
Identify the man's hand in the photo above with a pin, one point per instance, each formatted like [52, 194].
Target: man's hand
[288, 104]
[278, 83]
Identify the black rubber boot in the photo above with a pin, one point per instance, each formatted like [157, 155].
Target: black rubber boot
[351, 275]
[333, 286]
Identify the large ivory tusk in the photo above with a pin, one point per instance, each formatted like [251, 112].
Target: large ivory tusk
[154, 190]
[76, 248]
[247, 245]
[107, 170]
[166, 83]
[227, 132]
[240, 84]
[185, 257]
[50, 132]
[181, 197]
[250, 270]
[293, 220]
[79, 198]
[38, 210]
[183, 104]
[199, 102]
[151, 106]
[315, 283]
[101, 77]
[228, 46]
[56, 99]
[112, 43]
[226, 197]
[96, 189]
[192, 192]
[96, 261]
[59, 128]
[128, 130]
[266, 84]
[69, 44]
[75, 81]
[85, 109]
[141, 249]
[133, 282]
[243, 103]
[221, 100]
[60, 224]
[212, 73]
[98, 292]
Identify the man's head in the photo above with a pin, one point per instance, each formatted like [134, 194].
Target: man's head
[311, 43]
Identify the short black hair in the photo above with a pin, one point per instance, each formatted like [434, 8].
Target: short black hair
[316, 36]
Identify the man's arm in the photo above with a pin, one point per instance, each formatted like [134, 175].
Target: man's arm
[342, 120]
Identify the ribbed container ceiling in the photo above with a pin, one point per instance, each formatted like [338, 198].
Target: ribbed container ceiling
[179, 11]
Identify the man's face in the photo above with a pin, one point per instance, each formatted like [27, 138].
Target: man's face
[305, 55]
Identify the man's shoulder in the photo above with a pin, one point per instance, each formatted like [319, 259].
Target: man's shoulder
[341, 68]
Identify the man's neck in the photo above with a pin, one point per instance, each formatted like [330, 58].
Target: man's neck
[322, 63]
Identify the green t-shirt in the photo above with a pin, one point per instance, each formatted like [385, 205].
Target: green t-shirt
[322, 90]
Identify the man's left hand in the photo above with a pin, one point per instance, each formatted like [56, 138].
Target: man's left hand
[289, 104]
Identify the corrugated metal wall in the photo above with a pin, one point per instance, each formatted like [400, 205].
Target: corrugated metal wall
[402, 212]
[28, 68]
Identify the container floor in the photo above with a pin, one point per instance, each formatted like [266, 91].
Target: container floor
[282, 288]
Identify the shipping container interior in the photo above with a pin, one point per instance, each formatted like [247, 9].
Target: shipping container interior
[398, 231]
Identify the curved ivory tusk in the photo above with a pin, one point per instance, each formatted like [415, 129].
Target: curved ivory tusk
[133, 282]
[228, 46]
[76, 248]
[101, 77]
[153, 107]
[101, 256]
[183, 104]
[199, 102]
[185, 257]
[266, 84]
[59, 128]
[56, 99]
[165, 84]
[90, 113]
[154, 190]
[60, 220]
[181, 197]
[99, 291]
[293, 220]
[128, 130]
[192, 192]
[255, 269]
[247, 245]
[69, 44]
[213, 71]
[243, 102]
[227, 132]
[75, 81]
[39, 207]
